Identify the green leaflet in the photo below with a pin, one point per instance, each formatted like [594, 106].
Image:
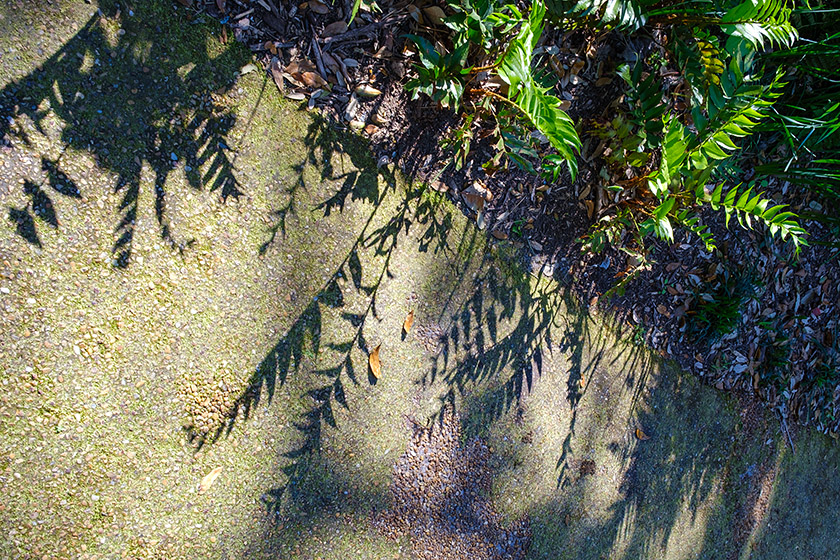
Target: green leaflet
[541, 108]
[757, 21]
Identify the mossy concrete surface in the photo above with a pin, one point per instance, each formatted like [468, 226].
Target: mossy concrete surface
[192, 274]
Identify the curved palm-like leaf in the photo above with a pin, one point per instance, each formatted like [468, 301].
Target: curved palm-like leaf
[541, 108]
[758, 21]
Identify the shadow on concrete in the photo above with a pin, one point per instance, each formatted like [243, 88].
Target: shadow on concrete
[141, 91]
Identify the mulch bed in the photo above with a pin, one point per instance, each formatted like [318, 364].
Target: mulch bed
[782, 347]
[439, 498]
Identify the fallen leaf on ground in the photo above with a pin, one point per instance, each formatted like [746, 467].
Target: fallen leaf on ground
[434, 14]
[474, 201]
[375, 364]
[590, 208]
[222, 5]
[600, 82]
[331, 63]
[439, 186]
[414, 12]
[208, 480]
[335, 28]
[319, 7]
[409, 320]
[313, 79]
[247, 69]
[585, 192]
[277, 74]
[641, 435]
[302, 73]
[499, 234]
[367, 91]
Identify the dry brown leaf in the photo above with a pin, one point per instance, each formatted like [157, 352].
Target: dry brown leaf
[474, 201]
[371, 129]
[209, 479]
[663, 310]
[319, 7]
[439, 186]
[641, 435]
[303, 73]
[378, 118]
[565, 105]
[277, 74]
[222, 5]
[409, 320]
[585, 192]
[335, 28]
[601, 82]
[375, 364]
[672, 267]
[590, 208]
[313, 79]
[434, 14]
[365, 90]
[480, 188]
[331, 63]
[499, 234]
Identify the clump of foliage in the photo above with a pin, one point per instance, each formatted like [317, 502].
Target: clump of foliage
[673, 154]
[716, 313]
[489, 71]
[803, 130]
[677, 154]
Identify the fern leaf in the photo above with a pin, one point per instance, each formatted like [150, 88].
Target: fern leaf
[541, 108]
[747, 206]
[757, 21]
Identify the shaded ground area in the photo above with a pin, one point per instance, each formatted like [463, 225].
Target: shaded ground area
[235, 334]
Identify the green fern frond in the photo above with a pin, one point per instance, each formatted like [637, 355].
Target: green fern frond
[644, 96]
[760, 21]
[621, 14]
[541, 108]
[691, 222]
[732, 112]
[747, 205]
